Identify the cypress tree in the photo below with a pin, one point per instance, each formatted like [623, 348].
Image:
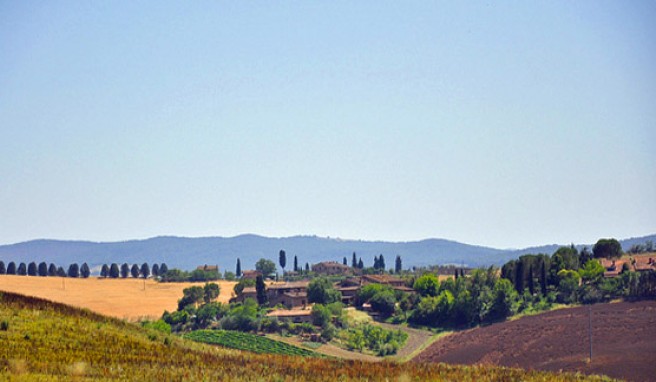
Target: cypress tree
[398, 266]
[519, 277]
[354, 261]
[113, 271]
[125, 270]
[238, 270]
[360, 264]
[134, 271]
[85, 271]
[104, 271]
[155, 270]
[52, 270]
[3, 270]
[543, 278]
[381, 262]
[295, 263]
[43, 269]
[307, 267]
[456, 274]
[73, 270]
[282, 260]
[22, 269]
[11, 268]
[531, 285]
[163, 269]
[260, 290]
[145, 270]
[31, 269]
[344, 261]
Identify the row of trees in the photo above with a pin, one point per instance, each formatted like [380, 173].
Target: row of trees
[44, 270]
[115, 271]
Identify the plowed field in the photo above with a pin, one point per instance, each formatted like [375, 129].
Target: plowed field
[623, 342]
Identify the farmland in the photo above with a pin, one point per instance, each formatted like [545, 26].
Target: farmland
[623, 342]
[48, 341]
[129, 298]
[247, 341]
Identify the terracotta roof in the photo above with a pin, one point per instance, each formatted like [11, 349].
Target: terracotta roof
[290, 285]
[289, 313]
[383, 279]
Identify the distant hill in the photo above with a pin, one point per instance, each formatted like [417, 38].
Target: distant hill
[187, 253]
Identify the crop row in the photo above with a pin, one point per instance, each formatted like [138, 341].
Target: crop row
[247, 341]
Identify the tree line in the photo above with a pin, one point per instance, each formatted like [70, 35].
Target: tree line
[44, 270]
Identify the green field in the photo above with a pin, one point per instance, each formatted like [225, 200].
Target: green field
[248, 342]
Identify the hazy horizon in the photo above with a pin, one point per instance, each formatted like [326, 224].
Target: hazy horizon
[504, 125]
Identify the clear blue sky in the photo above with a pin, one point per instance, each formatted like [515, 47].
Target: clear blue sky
[505, 124]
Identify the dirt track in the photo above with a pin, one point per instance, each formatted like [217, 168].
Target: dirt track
[623, 339]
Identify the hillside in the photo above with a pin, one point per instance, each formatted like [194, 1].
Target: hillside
[623, 342]
[49, 341]
[187, 253]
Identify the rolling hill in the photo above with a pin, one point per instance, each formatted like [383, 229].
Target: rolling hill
[47, 341]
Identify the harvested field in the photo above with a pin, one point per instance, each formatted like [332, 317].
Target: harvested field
[130, 299]
[623, 339]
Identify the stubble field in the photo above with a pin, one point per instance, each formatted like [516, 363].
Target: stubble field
[130, 299]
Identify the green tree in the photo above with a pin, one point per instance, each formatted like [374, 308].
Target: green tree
[114, 271]
[344, 261]
[163, 269]
[3, 270]
[568, 285]
[243, 283]
[125, 270]
[32, 269]
[11, 268]
[354, 261]
[296, 264]
[134, 271]
[229, 276]
[398, 266]
[383, 302]
[427, 285]
[584, 256]
[145, 270]
[381, 262]
[321, 291]
[266, 267]
[320, 315]
[85, 271]
[155, 270]
[52, 270]
[260, 290]
[104, 271]
[592, 271]
[191, 296]
[505, 300]
[360, 264]
[238, 270]
[73, 270]
[282, 260]
[61, 272]
[43, 269]
[607, 248]
[210, 292]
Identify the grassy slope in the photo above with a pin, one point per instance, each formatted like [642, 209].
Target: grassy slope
[50, 341]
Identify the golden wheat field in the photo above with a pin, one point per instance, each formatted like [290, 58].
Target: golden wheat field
[130, 299]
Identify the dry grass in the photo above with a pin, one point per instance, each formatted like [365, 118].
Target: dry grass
[130, 299]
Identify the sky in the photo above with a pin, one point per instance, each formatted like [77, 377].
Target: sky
[505, 124]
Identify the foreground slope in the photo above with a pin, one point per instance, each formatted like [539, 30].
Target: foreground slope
[42, 340]
[623, 339]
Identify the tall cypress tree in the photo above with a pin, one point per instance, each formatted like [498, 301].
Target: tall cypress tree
[398, 266]
[354, 261]
[361, 264]
[260, 290]
[344, 261]
[282, 260]
[531, 284]
[519, 277]
[295, 263]
[543, 278]
[381, 262]
[3, 270]
[238, 270]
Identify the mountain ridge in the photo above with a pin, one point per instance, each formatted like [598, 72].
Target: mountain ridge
[189, 252]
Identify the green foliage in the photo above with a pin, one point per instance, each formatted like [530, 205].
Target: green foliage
[159, 325]
[321, 291]
[568, 284]
[368, 291]
[592, 271]
[320, 315]
[383, 302]
[210, 292]
[114, 271]
[248, 342]
[267, 267]
[607, 248]
[191, 296]
[145, 270]
[260, 289]
[505, 300]
[85, 271]
[243, 283]
[375, 339]
[134, 271]
[73, 270]
[427, 285]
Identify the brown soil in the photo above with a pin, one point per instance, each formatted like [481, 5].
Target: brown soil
[130, 299]
[623, 339]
